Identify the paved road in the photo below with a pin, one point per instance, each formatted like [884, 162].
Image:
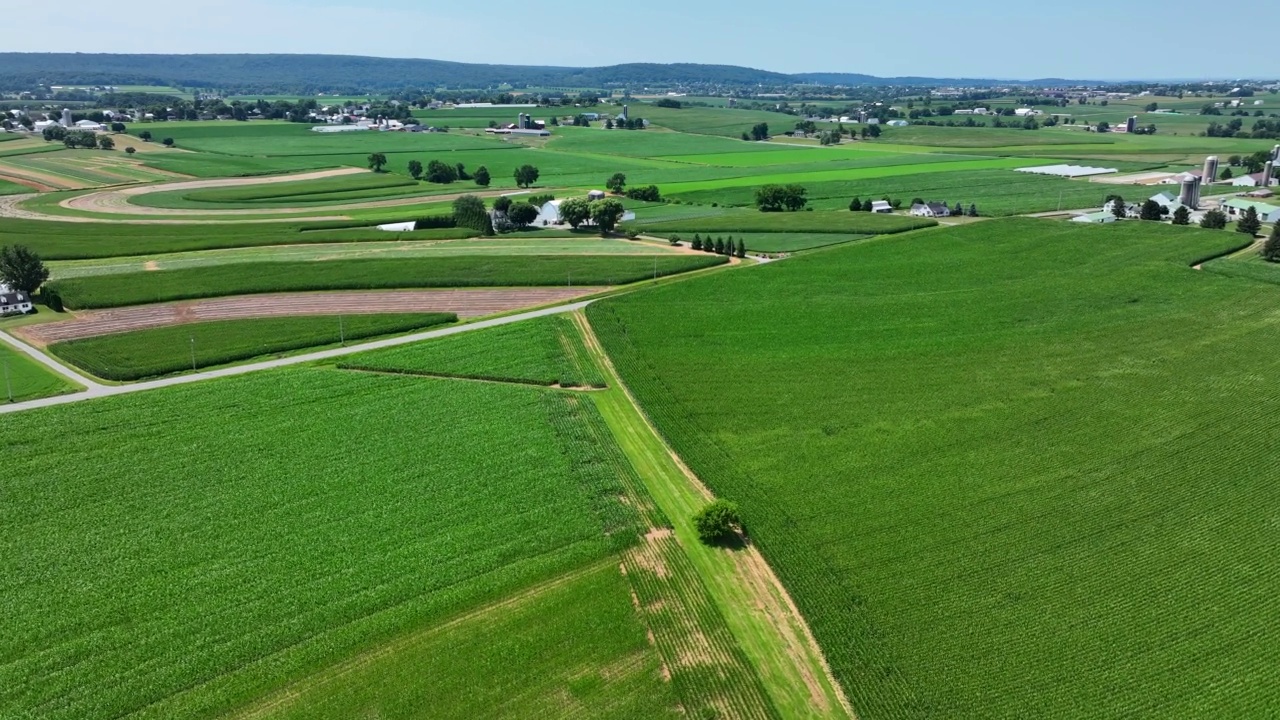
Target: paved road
[96, 390]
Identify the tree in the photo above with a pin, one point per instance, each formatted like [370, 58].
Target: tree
[606, 214]
[775, 198]
[469, 212]
[745, 136]
[855, 205]
[760, 131]
[130, 150]
[415, 169]
[873, 130]
[1214, 220]
[168, 142]
[461, 171]
[1271, 248]
[1118, 207]
[608, 123]
[697, 242]
[1227, 174]
[22, 269]
[617, 183]
[718, 522]
[1151, 210]
[145, 136]
[377, 161]
[957, 211]
[1250, 224]
[522, 213]
[526, 176]
[575, 211]
[442, 172]
[1182, 216]
[502, 204]
[106, 143]
[742, 248]
[481, 176]
[1104, 126]
[1233, 160]
[719, 246]
[973, 210]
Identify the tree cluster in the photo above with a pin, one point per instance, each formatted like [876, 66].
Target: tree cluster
[777, 198]
[22, 269]
[469, 211]
[1271, 248]
[719, 245]
[649, 193]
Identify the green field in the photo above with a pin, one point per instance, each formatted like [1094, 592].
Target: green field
[542, 242]
[993, 463]
[778, 242]
[12, 188]
[161, 351]
[103, 291]
[343, 188]
[543, 351]
[739, 220]
[26, 379]
[259, 531]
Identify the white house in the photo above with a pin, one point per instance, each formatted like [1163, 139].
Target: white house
[14, 302]
[1097, 218]
[881, 206]
[930, 210]
[1235, 209]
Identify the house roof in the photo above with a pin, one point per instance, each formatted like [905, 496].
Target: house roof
[1243, 204]
[14, 298]
[938, 208]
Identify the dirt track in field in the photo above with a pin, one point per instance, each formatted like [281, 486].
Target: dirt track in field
[465, 302]
[117, 201]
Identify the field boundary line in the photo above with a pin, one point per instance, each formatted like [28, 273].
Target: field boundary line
[760, 612]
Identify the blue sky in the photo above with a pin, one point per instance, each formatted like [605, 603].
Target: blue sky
[1100, 39]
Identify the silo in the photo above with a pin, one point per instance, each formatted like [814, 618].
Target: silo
[1275, 153]
[1131, 124]
[66, 117]
[1210, 169]
[1190, 195]
[1268, 171]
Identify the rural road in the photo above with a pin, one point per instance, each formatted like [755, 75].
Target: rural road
[97, 390]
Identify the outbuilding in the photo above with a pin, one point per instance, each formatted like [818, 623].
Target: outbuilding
[1235, 208]
[15, 302]
[881, 206]
[1097, 218]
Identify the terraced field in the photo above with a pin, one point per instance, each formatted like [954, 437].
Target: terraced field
[992, 463]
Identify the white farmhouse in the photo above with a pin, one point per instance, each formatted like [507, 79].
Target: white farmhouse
[930, 210]
[14, 302]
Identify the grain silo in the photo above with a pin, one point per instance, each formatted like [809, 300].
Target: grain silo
[1190, 195]
[1131, 124]
[66, 117]
[1268, 174]
[1210, 169]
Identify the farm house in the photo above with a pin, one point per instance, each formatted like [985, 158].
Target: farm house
[14, 302]
[930, 210]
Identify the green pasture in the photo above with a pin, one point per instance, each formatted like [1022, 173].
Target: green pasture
[753, 221]
[533, 243]
[542, 351]
[153, 352]
[776, 242]
[995, 192]
[103, 291]
[967, 433]
[280, 527]
[24, 379]
[89, 167]
[12, 188]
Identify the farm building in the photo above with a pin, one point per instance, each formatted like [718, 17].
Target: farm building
[549, 213]
[930, 210]
[14, 302]
[881, 206]
[897, 123]
[1260, 193]
[596, 195]
[1235, 208]
[90, 125]
[1168, 202]
[1096, 218]
[1251, 180]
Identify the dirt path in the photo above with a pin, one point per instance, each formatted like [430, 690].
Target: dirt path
[117, 201]
[465, 302]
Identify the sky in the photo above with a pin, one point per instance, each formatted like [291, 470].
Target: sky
[1005, 39]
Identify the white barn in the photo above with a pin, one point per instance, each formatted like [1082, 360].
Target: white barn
[881, 206]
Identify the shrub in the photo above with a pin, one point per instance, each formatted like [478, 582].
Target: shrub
[718, 522]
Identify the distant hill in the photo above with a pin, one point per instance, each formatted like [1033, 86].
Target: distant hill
[343, 73]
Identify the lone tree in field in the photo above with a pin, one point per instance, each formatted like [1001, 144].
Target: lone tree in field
[377, 161]
[168, 142]
[415, 169]
[575, 211]
[775, 198]
[1182, 216]
[1271, 248]
[760, 131]
[1250, 224]
[616, 184]
[481, 176]
[526, 176]
[130, 150]
[469, 212]
[21, 269]
[145, 136]
[1214, 220]
[718, 522]
[606, 214]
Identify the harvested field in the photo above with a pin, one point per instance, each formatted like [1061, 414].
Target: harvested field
[465, 303]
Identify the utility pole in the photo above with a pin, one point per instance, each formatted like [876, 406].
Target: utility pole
[8, 386]
[193, 353]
